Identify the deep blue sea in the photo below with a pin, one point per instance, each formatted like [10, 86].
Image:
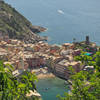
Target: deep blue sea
[65, 19]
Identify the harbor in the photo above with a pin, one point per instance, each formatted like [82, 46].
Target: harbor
[49, 88]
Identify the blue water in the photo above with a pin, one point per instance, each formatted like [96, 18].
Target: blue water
[49, 88]
[76, 19]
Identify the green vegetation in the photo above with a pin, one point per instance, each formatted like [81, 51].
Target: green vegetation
[85, 59]
[12, 23]
[15, 88]
[85, 84]
[86, 47]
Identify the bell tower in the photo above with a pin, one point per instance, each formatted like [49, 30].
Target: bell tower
[87, 40]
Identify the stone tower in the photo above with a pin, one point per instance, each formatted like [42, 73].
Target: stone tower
[87, 40]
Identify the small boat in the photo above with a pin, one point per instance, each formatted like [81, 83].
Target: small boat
[65, 82]
[60, 11]
[46, 89]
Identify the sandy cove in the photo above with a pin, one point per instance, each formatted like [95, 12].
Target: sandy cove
[48, 75]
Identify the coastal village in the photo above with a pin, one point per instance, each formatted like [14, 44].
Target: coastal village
[33, 69]
[42, 58]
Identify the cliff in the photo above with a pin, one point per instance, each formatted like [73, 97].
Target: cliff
[15, 25]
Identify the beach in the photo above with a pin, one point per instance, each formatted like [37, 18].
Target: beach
[48, 75]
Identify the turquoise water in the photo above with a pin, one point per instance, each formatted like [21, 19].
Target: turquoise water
[65, 19]
[51, 87]
[88, 54]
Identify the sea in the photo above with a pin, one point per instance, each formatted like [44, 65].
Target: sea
[64, 20]
[50, 88]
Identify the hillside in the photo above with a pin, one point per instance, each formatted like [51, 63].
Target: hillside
[15, 25]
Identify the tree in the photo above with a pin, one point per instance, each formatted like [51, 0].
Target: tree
[85, 59]
[15, 88]
[85, 85]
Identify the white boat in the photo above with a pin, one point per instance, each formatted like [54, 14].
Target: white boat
[60, 11]
[65, 82]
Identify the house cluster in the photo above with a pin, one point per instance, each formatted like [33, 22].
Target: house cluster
[24, 56]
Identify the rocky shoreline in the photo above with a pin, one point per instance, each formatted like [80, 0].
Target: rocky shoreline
[33, 37]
